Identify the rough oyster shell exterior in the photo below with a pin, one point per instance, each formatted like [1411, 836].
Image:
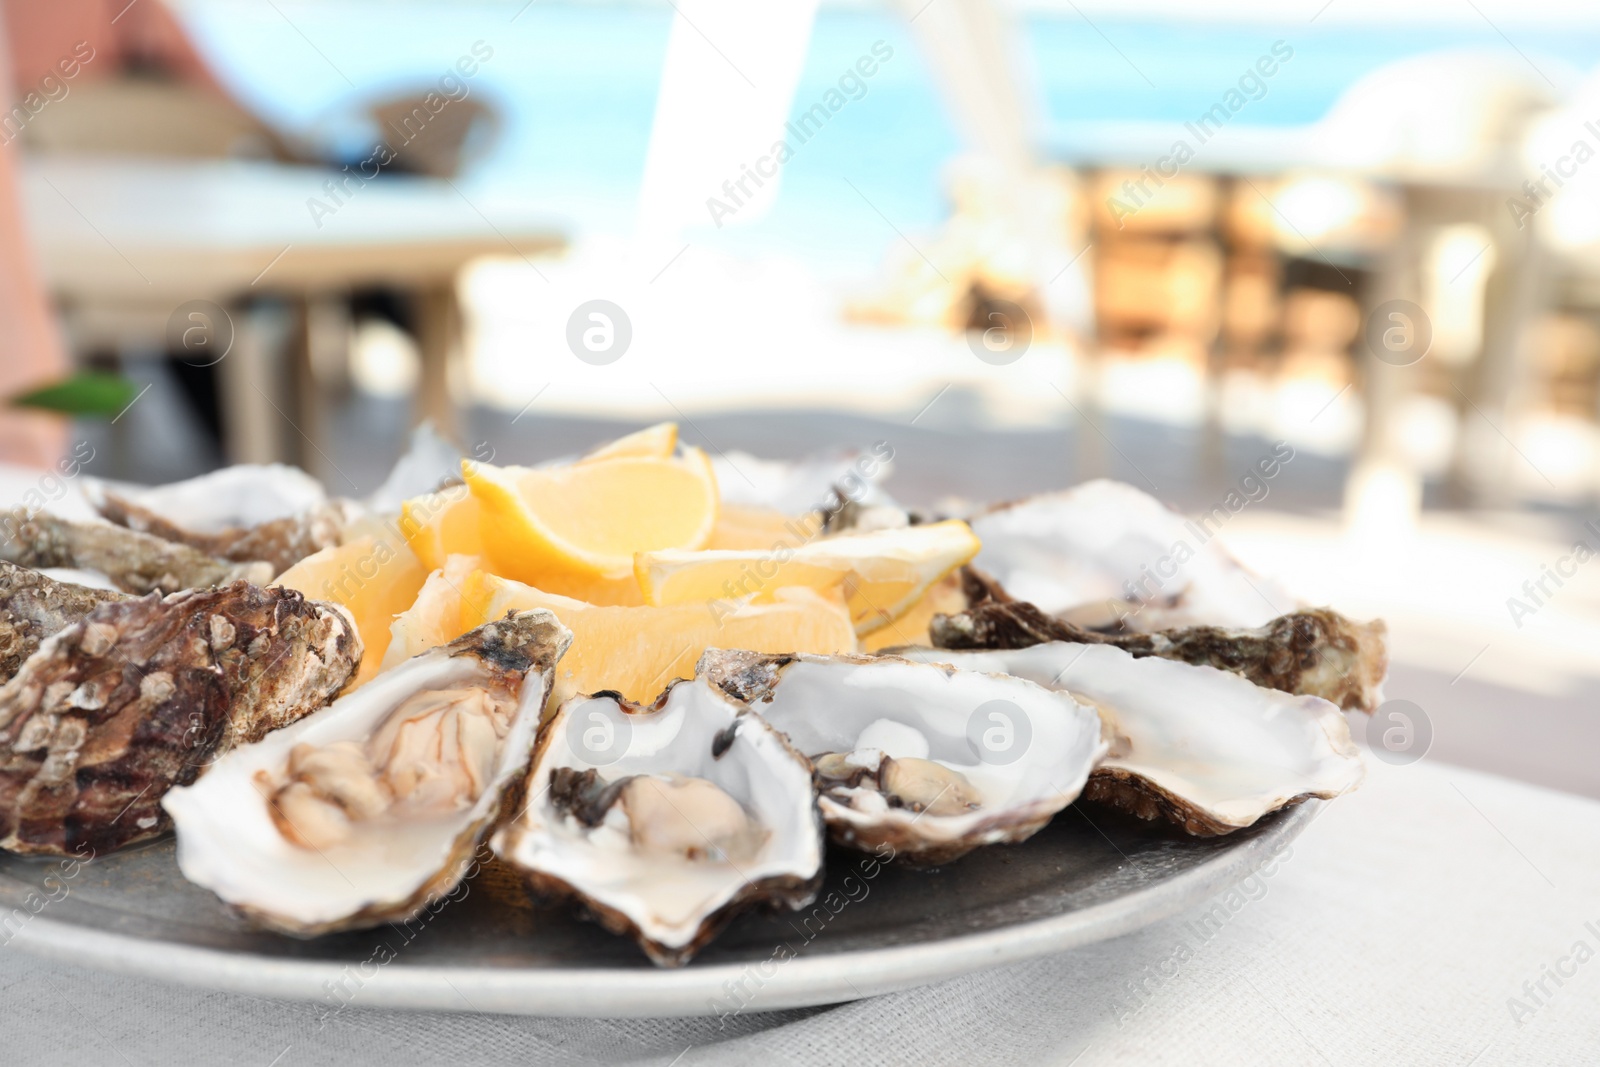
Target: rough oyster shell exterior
[1316, 652]
[135, 562]
[142, 694]
[33, 606]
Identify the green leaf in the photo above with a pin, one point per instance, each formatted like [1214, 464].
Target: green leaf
[81, 394]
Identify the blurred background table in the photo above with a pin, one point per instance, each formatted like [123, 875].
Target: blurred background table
[124, 242]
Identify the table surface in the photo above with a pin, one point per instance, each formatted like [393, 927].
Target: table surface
[1398, 929]
[128, 228]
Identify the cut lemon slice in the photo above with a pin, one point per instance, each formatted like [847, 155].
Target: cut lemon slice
[882, 573]
[434, 617]
[652, 442]
[944, 597]
[638, 650]
[440, 525]
[374, 577]
[562, 527]
[742, 526]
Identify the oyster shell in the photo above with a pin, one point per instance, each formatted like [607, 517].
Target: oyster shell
[135, 562]
[1203, 748]
[428, 462]
[695, 811]
[818, 483]
[141, 694]
[1094, 554]
[33, 606]
[1317, 652]
[245, 512]
[927, 759]
[374, 806]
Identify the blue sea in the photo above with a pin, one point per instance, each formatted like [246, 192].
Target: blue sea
[577, 85]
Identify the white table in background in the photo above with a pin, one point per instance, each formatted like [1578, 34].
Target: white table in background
[128, 240]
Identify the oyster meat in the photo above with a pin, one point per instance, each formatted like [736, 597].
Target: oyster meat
[1106, 554]
[245, 512]
[33, 606]
[666, 821]
[1316, 651]
[930, 760]
[373, 807]
[141, 694]
[1200, 747]
[135, 562]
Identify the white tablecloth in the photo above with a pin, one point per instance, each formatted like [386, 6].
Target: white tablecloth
[1398, 930]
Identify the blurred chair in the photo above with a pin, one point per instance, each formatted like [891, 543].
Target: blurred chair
[442, 144]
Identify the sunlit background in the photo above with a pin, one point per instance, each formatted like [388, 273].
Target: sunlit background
[1378, 244]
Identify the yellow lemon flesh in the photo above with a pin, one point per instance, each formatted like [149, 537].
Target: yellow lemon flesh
[652, 442]
[944, 597]
[741, 526]
[575, 530]
[638, 650]
[440, 525]
[881, 573]
[375, 577]
[434, 617]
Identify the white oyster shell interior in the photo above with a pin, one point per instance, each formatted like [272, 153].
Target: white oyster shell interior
[241, 496]
[1211, 738]
[1025, 750]
[1107, 542]
[666, 898]
[229, 842]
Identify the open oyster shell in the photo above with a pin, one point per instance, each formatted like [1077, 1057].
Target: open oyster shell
[33, 606]
[666, 821]
[927, 759]
[1096, 554]
[244, 512]
[1200, 747]
[1316, 651]
[374, 806]
[134, 562]
[142, 694]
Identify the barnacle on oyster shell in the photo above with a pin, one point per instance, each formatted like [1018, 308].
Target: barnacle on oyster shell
[135, 562]
[33, 606]
[142, 694]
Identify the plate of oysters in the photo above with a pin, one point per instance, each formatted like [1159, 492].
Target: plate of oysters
[637, 732]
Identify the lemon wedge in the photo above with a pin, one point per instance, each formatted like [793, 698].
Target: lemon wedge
[652, 442]
[944, 597]
[638, 650]
[742, 526]
[434, 617]
[443, 524]
[563, 528]
[881, 573]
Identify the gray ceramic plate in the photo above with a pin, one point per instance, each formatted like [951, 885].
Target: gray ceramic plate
[885, 928]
